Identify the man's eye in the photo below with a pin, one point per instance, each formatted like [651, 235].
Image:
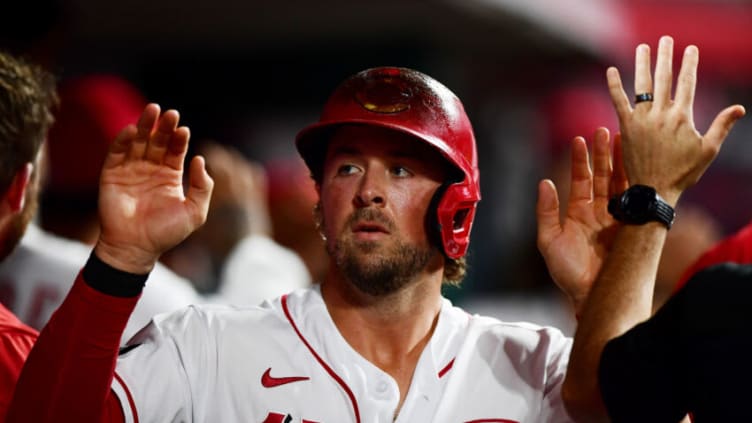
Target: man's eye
[346, 169]
[400, 171]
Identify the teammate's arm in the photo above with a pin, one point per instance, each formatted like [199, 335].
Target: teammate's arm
[143, 212]
[661, 148]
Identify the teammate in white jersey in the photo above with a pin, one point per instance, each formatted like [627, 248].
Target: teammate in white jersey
[35, 278]
[395, 164]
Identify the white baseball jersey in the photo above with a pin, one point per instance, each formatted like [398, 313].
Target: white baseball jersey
[37, 276]
[285, 362]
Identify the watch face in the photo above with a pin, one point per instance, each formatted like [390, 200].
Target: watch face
[641, 204]
[638, 203]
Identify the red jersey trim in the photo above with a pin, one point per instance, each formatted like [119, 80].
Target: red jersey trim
[326, 367]
[446, 368]
[131, 402]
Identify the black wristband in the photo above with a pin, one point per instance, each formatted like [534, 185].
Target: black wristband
[108, 280]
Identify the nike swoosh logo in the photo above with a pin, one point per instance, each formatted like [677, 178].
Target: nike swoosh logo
[269, 381]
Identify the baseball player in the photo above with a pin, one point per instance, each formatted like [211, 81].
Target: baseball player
[395, 165]
[27, 95]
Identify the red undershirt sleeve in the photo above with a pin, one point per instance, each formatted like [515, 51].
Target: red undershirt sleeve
[68, 374]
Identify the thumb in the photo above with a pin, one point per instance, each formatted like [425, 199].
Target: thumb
[199, 189]
[722, 124]
[547, 212]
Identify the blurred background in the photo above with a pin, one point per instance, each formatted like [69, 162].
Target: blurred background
[531, 73]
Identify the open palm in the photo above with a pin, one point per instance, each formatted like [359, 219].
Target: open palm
[142, 206]
[574, 248]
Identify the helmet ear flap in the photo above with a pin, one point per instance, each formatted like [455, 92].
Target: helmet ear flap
[451, 218]
[433, 225]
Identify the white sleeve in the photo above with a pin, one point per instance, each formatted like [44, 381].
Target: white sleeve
[509, 370]
[258, 269]
[151, 380]
[559, 347]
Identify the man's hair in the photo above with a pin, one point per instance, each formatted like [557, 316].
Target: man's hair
[454, 270]
[27, 97]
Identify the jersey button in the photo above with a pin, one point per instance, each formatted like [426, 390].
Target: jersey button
[382, 386]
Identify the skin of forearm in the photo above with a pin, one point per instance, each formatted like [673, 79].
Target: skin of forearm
[621, 297]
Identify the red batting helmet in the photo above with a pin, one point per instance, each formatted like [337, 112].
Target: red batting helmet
[408, 101]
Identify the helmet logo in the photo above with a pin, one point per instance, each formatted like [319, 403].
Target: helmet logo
[384, 94]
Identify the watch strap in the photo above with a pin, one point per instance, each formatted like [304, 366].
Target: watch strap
[663, 212]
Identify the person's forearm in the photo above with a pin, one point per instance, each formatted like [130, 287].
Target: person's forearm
[70, 369]
[620, 298]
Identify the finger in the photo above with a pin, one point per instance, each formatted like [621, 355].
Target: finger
[602, 168]
[582, 177]
[547, 212]
[177, 148]
[618, 96]
[721, 126]
[619, 181]
[663, 72]
[157, 145]
[218, 160]
[258, 174]
[147, 120]
[120, 146]
[200, 186]
[145, 125]
[643, 80]
[687, 80]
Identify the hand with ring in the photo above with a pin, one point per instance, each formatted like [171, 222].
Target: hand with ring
[661, 147]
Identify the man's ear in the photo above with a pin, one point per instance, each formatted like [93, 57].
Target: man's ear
[16, 193]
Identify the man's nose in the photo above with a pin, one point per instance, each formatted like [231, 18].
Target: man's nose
[371, 190]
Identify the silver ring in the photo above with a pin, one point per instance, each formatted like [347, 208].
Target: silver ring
[639, 98]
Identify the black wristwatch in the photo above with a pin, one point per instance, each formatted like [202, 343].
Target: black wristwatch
[640, 204]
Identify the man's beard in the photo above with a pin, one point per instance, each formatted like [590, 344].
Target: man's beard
[18, 224]
[378, 273]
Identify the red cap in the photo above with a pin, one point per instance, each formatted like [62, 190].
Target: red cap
[93, 110]
[577, 110]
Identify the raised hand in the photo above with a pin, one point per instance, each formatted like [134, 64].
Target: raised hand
[238, 205]
[574, 249]
[661, 146]
[240, 191]
[142, 206]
